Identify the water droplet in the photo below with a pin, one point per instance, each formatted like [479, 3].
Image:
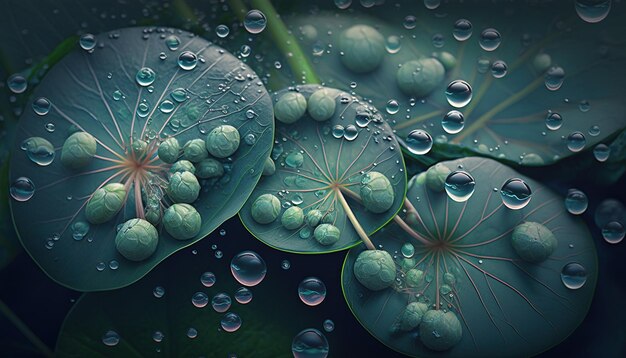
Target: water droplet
[489, 39]
[192, 333]
[483, 64]
[419, 142]
[343, 4]
[208, 279]
[248, 268]
[41, 106]
[278, 65]
[338, 131]
[409, 22]
[114, 265]
[601, 152]
[312, 291]
[199, 299]
[230, 322]
[459, 185]
[554, 78]
[219, 254]
[162, 56]
[515, 194]
[166, 106]
[245, 51]
[222, 31]
[255, 21]
[438, 40]
[39, 150]
[573, 275]
[145, 76]
[613, 232]
[117, 95]
[179, 95]
[243, 295]
[172, 42]
[222, 232]
[350, 133]
[392, 106]
[453, 122]
[592, 11]
[499, 69]
[158, 292]
[87, 42]
[576, 141]
[576, 201]
[362, 118]
[554, 121]
[50, 127]
[22, 189]
[221, 302]
[110, 338]
[79, 230]
[393, 44]
[329, 325]
[17, 83]
[432, 4]
[158, 336]
[594, 130]
[100, 266]
[143, 109]
[310, 343]
[462, 29]
[459, 93]
[285, 264]
[584, 106]
[408, 250]
[187, 60]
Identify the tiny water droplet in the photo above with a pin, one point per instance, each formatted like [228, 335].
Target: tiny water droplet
[41, 106]
[230, 322]
[39, 150]
[613, 232]
[576, 201]
[172, 42]
[343, 4]
[329, 325]
[199, 299]
[601, 152]
[87, 42]
[338, 131]
[166, 106]
[221, 302]
[576, 142]
[145, 76]
[408, 250]
[573, 275]
[453, 122]
[554, 121]
[158, 292]
[462, 29]
[393, 44]
[79, 230]
[409, 22]
[192, 333]
[22, 189]
[499, 69]
[285, 264]
[554, 78]
[17, 83]
[392, 106]
[208, 279]
[187, 60]
[243, 295]
[222, 31]
[255, 21]
[110, 338]
[584, 106]
[350, 132]
[489, 39]
[312, 291]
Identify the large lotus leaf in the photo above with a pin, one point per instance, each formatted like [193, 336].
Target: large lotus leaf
[506, 305]
[98, 93]
[506, 117]
[315, 162]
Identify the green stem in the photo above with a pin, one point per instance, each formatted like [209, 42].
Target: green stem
[286, 42]
[239, 9]
[355, 223]
[23, 328]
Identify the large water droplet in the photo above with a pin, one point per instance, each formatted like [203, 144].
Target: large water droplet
[312, 291]
[145, 76]
[554, 78]
[489, 39]
[499, 69]
[17, 83]
[41, 106]
[172, 42]
[515, 194]
[248, 268]
[602, 152]
[462, 29]
[222, 31]
[310, 343]
[87, 42]
[255, 21]
[22, 189]
[392, 106]
[208, 279]
[592, 11]
[187, 60]
[39, 150]
[243, 295]
[221, 302]
[576, 141]
[573, 275]
[199, 299]
[613, 232]
[459, 185]
[230, 322]
[419, 142]
[554, 121]
[576, 201]
[350, 133]
[110, 338]
[453, 122]
[459, 93]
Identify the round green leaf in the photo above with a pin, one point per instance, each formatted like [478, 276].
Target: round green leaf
[110, 95]
[314, 161]
[471, 269]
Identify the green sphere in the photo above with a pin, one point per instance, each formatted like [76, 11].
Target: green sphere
[105, 203]
[265, 209]
[290, 107]
[447, 59]
[407, 263]
[375, 269]
[313, 217]
[420, 77]
[412, 315]
[169, 150]
[376, 192]
[327, 234]
[440, 330]
[223, 141]
[195, 150]
[542, 62]
[269, 168]
[436, 177]
[182, 166]
[153, 216]
[322, 104]
[292, 218]
[532, 160]
[182, 221]
[137, 240]
[414, 277]
[209, 168]
[183, 187]
[140, 148]
[329, 217]
[363, 48]
[78, 150]
[533, 242]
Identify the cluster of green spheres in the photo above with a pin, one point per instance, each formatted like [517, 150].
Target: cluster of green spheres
[375, 269]
[137, 239]
[78, 150]
[376, 192]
